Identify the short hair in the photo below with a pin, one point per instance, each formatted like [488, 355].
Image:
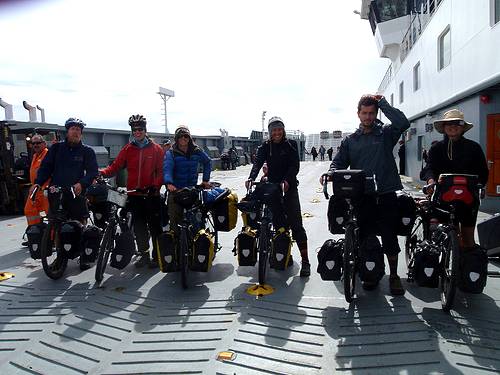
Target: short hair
[367, 101]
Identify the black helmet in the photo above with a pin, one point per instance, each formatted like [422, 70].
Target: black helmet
[137, 120]
[73, 121]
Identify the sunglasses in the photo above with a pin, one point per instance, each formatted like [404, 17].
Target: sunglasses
[138, 129]
[36, 143]
[184, 136]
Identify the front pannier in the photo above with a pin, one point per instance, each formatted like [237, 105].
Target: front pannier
[371, 260]
[225, 213]
[473, 270]
[407, 214]
[337, 214]
[123, 251]
[280, 250]
[246, 247]
[330, 260]
[91, 239]
[167, 259]
[71, 238]
[35, 234]
[203, 251]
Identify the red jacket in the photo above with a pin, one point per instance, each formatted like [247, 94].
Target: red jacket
[144, 166]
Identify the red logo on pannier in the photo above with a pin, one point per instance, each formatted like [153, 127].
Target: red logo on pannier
[458, 191]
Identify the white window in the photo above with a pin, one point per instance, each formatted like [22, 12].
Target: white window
[444, 49]
[416, 77]
[401, 92]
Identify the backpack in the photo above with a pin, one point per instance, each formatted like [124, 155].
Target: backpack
[35, 234]
[167, 256]
[407, 214]
[225, 213]
[426, 266]
[473, 270]
[330, 260]
[124, 249]
[203, 251]
[246, 247]
[281, 247]
[337, 214]
[91, 239]
[371, 266]
[71, 238]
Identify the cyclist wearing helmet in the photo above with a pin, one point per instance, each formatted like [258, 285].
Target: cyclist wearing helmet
[180, 170]
[282, 159]
[143, 160]
[70, 163]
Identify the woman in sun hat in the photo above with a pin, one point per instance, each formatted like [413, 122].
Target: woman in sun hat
[457, 154]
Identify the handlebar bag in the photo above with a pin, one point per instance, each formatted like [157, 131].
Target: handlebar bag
[246, 247]
[167, 259]
[35, 234]
[281, 247]
[330, 262]
[337, 214]
[186, 197]
[71, 238]
[457, 188]
[349, 183]
[268, 193]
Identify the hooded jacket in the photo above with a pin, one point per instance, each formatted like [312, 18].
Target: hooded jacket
[373, 152]
[463, 156]
[67, 165]
[144, 165]
[282, 161]
[181, 169]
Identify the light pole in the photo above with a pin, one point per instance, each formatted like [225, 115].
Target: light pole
[263, 120]
[165, 95]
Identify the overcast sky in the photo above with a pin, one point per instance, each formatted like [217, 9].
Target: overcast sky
[227, 61]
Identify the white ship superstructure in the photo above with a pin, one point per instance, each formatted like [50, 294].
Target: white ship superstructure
[443, 54]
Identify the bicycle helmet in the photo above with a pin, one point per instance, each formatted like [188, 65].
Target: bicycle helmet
[137, 120]
[73, 121]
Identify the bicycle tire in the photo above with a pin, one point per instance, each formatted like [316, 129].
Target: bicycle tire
[263, 253]
[105, 250]
[183, 259]
[449, 270]
[54, 270]
[349, 263]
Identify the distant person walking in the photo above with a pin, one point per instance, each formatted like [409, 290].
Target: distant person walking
[322, 151]
[330, 153]
[314, 153]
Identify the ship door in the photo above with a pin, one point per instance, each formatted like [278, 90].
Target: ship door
[493, 154]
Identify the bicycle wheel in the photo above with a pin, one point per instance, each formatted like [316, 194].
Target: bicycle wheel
[105, 250]
[449, 270]
[54, 260]
[263, 253]
[349, 263]
[183, 258]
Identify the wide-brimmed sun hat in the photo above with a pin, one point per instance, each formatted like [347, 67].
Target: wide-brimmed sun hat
[453, 115]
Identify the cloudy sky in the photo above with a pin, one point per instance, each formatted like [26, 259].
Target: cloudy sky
[226, 60]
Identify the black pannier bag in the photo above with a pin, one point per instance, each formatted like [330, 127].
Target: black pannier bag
[337, 214]
[281, 247]
[246, 247]
[349, 183]
[371, 266]
[124, 249]
[407, 214]
[426, 266]
[167, 259]
[101, 213]
[71, 238]
[489, 234]
[35, 234]
[473, 270]
[203, 251]
[330, 260]
[91, 239]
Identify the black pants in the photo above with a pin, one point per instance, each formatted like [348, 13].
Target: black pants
[146, 220]
[379, 216]
[287, 213]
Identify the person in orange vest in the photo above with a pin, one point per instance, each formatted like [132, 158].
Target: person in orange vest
[32, 209]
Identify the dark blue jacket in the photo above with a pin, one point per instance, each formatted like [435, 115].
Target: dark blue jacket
[181, 170]
[66, 165]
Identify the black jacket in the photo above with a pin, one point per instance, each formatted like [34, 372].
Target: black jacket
[463, 156]
[282, 161]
